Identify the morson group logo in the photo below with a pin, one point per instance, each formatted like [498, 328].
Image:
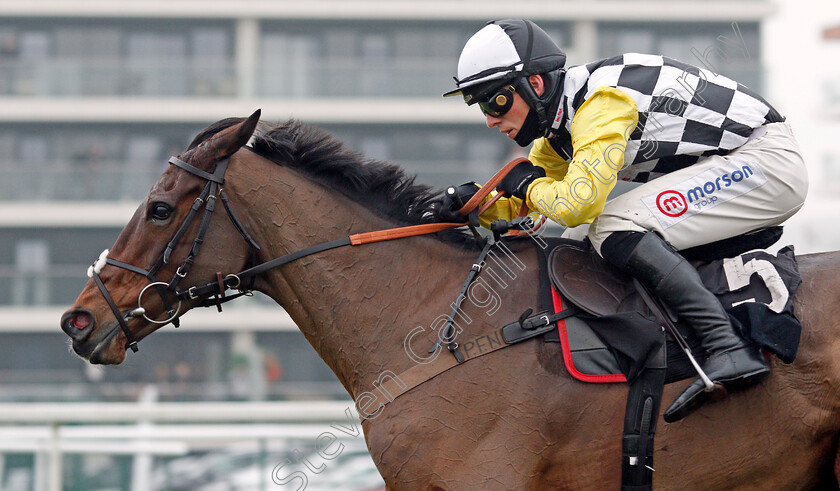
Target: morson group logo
[705, 190]
[671, 203]
[710, 187]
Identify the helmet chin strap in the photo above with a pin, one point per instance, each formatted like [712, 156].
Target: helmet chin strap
[542, 106]
[536, 104]
[529, 131]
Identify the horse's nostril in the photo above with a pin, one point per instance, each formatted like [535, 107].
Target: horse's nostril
[80, 320]
[77, 322]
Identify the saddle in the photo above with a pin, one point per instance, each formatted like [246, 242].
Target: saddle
[617, 330]
[614, 335]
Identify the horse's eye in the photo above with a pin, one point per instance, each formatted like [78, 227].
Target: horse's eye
[160, 211]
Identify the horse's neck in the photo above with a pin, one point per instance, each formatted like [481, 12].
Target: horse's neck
[355, 304]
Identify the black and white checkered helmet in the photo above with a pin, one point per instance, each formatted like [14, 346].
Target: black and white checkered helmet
[501, 51]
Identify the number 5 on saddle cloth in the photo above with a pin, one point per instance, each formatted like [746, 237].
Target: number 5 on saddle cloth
[617, 338]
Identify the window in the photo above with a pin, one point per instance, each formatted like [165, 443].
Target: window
[737, 56]
[211, 70]
[7, 149]
[85, 161]
[376, 77]
[32, 260]
[375, 147]
[157, 63]
[113, 57]
[289, 66]
[34, 150]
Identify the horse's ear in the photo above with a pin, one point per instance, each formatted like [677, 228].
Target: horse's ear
[226, 142]
[246, 129]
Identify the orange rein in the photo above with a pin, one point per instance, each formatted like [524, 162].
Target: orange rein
[430, 228]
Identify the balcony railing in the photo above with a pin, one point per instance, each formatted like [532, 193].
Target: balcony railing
[216, 77]
[358, 78]
[107, 181]
[282, 78]
[159, 77]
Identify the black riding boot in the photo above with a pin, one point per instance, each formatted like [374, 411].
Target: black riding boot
[655, 264]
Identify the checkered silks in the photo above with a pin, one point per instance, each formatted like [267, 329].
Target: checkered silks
[685, 112]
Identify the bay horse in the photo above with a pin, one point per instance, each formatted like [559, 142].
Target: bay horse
[514, 419]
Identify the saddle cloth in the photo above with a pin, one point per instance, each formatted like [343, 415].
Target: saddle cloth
[611, 339]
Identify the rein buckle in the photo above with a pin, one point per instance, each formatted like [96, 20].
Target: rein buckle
[191, 293]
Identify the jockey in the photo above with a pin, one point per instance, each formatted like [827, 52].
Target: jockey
[715, 161]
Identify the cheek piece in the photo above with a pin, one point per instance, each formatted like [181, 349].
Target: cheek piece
[529, 131]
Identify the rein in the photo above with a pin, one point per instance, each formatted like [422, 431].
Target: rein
[213, 191]
[234, 281]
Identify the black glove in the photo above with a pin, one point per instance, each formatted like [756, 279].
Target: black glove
[448, 209]
[519, 178]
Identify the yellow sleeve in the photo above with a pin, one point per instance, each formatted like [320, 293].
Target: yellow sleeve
[505, 208]
[599, 137]
[544, 155]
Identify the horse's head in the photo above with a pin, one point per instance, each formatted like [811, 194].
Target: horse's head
[173, 241]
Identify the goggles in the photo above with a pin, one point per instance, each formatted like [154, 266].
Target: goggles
[499, 103]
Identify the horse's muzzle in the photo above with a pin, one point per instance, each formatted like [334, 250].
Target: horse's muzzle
[78, 323]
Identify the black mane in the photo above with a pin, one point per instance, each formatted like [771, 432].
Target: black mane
[382, 187]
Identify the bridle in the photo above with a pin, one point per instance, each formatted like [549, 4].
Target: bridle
[207, 198]
[213, 191]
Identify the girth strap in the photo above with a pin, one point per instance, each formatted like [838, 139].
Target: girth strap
[640, 415]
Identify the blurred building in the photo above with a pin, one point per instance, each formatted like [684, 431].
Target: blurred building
[95, 95]
[830, 101]
[803, 81]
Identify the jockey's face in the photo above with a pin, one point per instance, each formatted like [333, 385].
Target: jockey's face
[511, 122]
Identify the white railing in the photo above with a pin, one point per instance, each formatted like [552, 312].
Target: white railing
[147, 429]
[173, 412]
